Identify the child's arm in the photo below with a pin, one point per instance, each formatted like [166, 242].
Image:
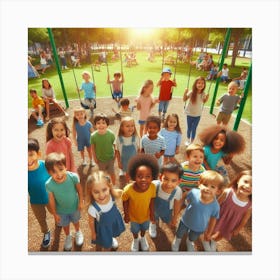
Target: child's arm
[52, 207]
[152, 210]
[176, 211]
[210, 228]
[206, 165]
[91, 222]
[74, 134]
[94, 88]
[185, 95]
[125, 210]
[243, 222]
[227, 158]
[206, 97]
[118, 156]
[93, 153]
[159, 82]
[80, 194]
[174, 83]
[223, 196]
[122, 80]
[159, 154]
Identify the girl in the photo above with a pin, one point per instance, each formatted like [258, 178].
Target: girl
[81, 131]
[236, 209]
[194, 108]
[145, 103]
[138, 198]
[172, 134]
[49, 97]
[58, 141]
[105, 220]
[127, 144]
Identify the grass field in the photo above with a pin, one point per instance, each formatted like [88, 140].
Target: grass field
[136, 75]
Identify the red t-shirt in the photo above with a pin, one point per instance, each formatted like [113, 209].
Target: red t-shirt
[165, 90]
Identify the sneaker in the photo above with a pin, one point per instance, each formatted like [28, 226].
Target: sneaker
[144, 244]
[92, 163]
[68, 243]
[175, 244]
[46, 239]
[213, 245]
[40, 122]
[135, 245]
[79, 238]
[115, 243]
[188, 142]
[84, 163]
[121, 172]
[190, 245]
[66, 115]
[206, 246]
[153, 230]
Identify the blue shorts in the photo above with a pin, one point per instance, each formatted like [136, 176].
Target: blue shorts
[65, 219]
[135, 227]
[182, 229]
[117, 94]
[83, 143]
[163, 105]
[141, 122]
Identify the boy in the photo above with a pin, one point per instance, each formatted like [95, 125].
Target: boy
[116, 85]
[103, 145]
[125, 110]
[192, 168]
[168, 196]
[202, 210]
[37, 177]
[229, 102]
[224, 74]
[38, 107]
[165, 93]
[65, 197]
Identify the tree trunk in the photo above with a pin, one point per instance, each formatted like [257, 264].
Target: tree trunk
[235, 49]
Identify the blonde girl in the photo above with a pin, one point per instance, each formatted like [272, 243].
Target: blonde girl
[104, 218]
[81, 130]
[127, 144]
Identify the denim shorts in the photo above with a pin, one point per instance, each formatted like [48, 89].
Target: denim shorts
[182, 229]
[117, 94]
[141, 122]
[65, 219]
[135, 227]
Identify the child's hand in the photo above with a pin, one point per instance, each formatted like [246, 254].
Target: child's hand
[173, 223]
[158, 155]
[218, 103]
[81, 205]
[177, 151]
[126, 218]
[207, 236]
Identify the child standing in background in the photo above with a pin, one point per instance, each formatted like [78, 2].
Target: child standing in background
[81, 131]
[224, 74]
[172, 134]
[117, 86]
[58, 141]
[38, 107]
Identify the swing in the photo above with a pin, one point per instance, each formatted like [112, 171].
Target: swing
[188, 83]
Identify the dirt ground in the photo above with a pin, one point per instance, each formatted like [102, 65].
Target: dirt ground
[162, 243]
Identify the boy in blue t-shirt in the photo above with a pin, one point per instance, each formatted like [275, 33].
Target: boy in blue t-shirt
[37, 177]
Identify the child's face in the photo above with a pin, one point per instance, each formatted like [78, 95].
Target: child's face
[152, 130]
[33, 95]
[80, 115]
[33, 157]
[149, 89]
[244, 185]
[209, 190]
[143, 178]
[128, 128]
[200, 85]
[125, 107]
[172, 123]
[86, 77]
[170, 181]
[166, 76]
[58, 173]
[46, 84]
[101, 126]
[117, 77]
[219, 141]
[101, 193]
[196, 158]
[58, 132]
[232, 89]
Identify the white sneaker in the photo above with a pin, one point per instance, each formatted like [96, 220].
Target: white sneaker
[79, 238]
[176, 244]
[84, 163]
[121, 172]
[190, 245]
[144, 244]
[153, 230]
[68, 243]
[66, 115]
[92, 163]
[188, 142]
[115, 243]
[135, 245]
[213, 245]
[206, 246]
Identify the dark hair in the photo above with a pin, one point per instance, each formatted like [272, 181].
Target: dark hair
[143, 160]
[117, 74]
[124, 102]
[172, 168]
[101, 116]
[194, 88]
[55, 159]
[47, 81]
[33, 145]
[153, 119]
[33, 90]
[52, 123]
[177, 128]
[234, 182]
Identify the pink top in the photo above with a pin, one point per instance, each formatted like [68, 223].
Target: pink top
[145, 103]
[232, 211]
[65, 147]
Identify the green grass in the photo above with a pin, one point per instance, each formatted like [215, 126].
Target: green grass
[136, 75]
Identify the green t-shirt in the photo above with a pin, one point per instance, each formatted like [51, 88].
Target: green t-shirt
[104, 145]
[65, 194]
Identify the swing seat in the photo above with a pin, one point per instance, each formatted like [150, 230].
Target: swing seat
[86, 107]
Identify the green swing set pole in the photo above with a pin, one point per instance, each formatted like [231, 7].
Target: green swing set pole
[57, 66]
[243, 100]
[225, 48]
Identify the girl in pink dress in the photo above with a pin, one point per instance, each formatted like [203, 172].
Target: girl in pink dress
[235, 209]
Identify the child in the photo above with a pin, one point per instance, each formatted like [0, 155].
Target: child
[138, 198]
[202, 210]
[37, 177]
[212, 73]
[236, 209]
[105, 220]
[81, 131]
[62, 57]
[125, 110]
[38, 107]
[229, 102]
[165, 93]
[127, 144]
[224, 73]
[195, 106]
[152, 143]
[103, 145]
[241, 80]
[168, 196]
[192, 168]
[145, 103]
[89, 89]
[172, 134]
[116, 85]
[49, 97]
[58, 141]
[65, 197]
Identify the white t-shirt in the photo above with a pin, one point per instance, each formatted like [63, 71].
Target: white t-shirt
[104, 208]
[225, 72]
[195, 109]
[127, 141]
[48, 93]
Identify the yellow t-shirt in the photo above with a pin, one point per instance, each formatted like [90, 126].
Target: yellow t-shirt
[37, 101]
[139, 202]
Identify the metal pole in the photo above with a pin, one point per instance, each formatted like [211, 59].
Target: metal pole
[58, 66]
[224, 52]
[243, 100]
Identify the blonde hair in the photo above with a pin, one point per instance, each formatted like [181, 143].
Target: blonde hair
[127, 119]
[86, 73]
[213, 177]
[194, 147]
[233, 84]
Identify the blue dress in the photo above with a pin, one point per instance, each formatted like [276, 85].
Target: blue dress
[127, 152]
[109, 225]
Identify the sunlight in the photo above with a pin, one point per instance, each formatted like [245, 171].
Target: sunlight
[142, 32]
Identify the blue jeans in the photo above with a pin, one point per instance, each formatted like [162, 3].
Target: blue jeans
[183, 229]
[192, 123]
[162, 107]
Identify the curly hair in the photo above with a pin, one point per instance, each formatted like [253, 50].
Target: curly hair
[101, 116]
[172, 168]
[143, 160]
[153, 119]
[52, 123]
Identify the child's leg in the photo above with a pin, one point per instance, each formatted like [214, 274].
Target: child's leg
[34, 115]
[39, 211]
[58, 106]
[47, 108]
[40, 111]
[67, 230]
[89, 150]
[141, 129]
[194, 127]
[82, 155]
